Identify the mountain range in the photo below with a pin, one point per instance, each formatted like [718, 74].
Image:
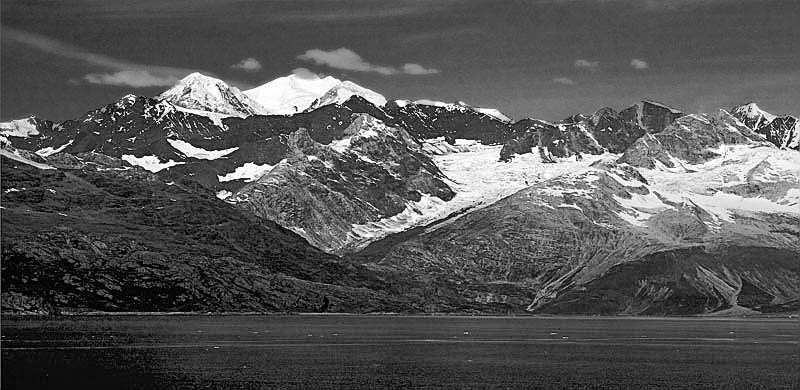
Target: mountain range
[311, 194]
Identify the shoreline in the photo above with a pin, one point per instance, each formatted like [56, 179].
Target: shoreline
[707, 316]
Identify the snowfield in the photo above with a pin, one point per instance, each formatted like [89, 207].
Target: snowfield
[479, 179]
[190, 150]
[150, 163]
[474, 172]
[248, 172]
[17, 157]
[738, 165]
[19, 128]
[48, 151]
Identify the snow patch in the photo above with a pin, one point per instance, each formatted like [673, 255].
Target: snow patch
[248, 172]
[190, 150]
[415, 213]
[16, 157]
[150, 163]
[461, 106]
[224, 194]
[48, 151]
[215, 117]
[639, 208]
[19, 128]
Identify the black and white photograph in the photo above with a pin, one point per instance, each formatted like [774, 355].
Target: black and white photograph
[406, 194]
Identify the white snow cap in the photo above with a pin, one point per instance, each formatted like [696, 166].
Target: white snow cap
[203, 93]
[459, 105]
[752, 111]
[19, 128]
[298, 91]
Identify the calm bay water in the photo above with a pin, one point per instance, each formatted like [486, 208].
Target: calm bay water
[373, 352]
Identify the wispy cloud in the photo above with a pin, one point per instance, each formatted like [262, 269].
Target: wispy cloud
[441, 34]
[586, 64]
[346, 59]
[350, 11]
[120, 72]
[564, 81]
[661, 5]
[130, 78]
[639, 64]
[417, 69]
[658, 5]
[248, 65]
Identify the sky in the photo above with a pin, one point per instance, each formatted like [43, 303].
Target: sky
[545, 59]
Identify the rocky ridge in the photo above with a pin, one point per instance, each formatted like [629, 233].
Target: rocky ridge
[697, 211]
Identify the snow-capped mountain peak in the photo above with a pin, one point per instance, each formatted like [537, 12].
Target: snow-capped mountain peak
[783, 131]
[291, 94]
[301, 91]
[754, 113]
[24, 128]
[343, 91]
[457, 106]
[203, 93]
[493, 112]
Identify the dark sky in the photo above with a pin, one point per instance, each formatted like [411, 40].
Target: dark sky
[546, 59]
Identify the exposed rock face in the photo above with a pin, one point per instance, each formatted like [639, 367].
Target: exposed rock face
[550, 140]
[133, 125]
[383, 173]
[118, 238]
[782, 131]
[709, 220]
[686, 281]
[605, 130]
[608, 241]
[690, 139]
[321, 190]
[650, 115]
[450, 121]
[528, 132]
[612, 130]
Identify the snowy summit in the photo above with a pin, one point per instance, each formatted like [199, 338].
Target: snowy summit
[203, 93]
[303, 90]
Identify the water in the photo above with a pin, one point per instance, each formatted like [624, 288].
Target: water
[372, 352]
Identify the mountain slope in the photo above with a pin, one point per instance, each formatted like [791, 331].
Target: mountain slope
[343, 91]
[207, 94]
[324, 190]
[782, 131]
[434, 207]
[98, 234]
[303, 92]
[716, 229]
[604, 130]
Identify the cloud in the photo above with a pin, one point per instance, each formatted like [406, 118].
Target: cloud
[564, 81]
[586, 64]
[290, 11]
[305, 11]
[657, 5]
[120, 72]
[417, 69]
[639, 64]
[131, 78]
[248, 65]
[441, 35]
[346, 59]
[661, 5]
[304, 73]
